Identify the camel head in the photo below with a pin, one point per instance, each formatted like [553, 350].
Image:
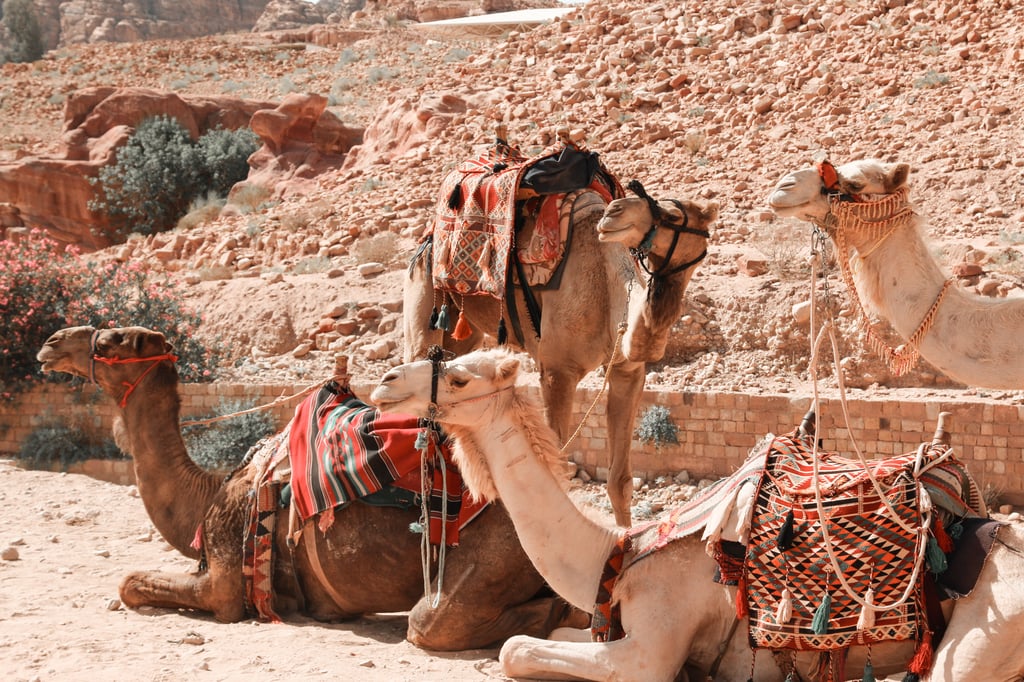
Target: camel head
[806, 193]
[105, 355]
[464, 386]
[653, 226]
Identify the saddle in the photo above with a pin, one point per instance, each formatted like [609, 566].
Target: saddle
[894, 539]
[504, 218]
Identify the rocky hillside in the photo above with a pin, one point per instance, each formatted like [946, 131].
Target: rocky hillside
[712, 103]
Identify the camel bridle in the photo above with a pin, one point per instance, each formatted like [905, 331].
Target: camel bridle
[849, 214]
[658, 218]
[130, 386]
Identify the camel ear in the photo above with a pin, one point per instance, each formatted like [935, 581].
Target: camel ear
[897, 177]
[710, 213]
[507, 369]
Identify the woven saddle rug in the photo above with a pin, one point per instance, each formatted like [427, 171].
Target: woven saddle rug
[788, 557]
[474, 229]
[337, 449]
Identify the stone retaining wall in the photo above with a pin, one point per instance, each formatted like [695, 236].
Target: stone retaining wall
[716, 430]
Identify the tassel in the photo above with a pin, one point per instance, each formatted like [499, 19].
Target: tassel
[941, 536]
[921, 663]
[443, 322]
[869, 673]
[936, 557]
[867, 613]
[502, 332]
[784, 611]
[785, 539]
[455, 198]
[433, 319]
[421, 441]
[819, 624]
[462, 329]
[911, 677]
[956, 530]
[742, 609]
[416, 528]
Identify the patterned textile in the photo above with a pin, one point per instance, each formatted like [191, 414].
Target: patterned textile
[342, 449]
[606, 624]
[545, 236]
[474, 225]
[874, 551]
[258, 552]
[475, 222]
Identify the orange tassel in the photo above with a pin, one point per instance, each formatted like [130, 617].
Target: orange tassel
[941, 536]
[921, 663]
[462, 328]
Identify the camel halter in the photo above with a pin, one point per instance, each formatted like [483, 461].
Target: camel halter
[876, 220]
[641, 253]
[130, 386]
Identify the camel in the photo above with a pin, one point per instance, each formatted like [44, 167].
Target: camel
[673, 616]
[863, 207]
[580, 320]
[369, 560]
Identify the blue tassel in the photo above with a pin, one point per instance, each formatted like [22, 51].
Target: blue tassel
[955, 531]
[869, 673]
[819, 624]
[416, 527]
[911, 677]
[936, 557]
[443, 323]
[421, 440]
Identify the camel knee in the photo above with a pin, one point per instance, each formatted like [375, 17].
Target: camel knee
[131, 590]
[516, 656]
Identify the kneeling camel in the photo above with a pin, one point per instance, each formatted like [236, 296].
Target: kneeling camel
[674, 617]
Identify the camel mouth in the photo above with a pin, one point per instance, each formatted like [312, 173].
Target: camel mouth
[385, 402]
[780, 198]
[607, 233]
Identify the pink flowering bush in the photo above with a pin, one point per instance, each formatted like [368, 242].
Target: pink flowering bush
[44, 287]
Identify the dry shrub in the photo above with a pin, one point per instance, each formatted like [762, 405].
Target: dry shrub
[378, 248]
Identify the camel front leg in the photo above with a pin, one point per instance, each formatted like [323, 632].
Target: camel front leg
[624, 660]
[558, 389]
[183, 591]
[625, 388]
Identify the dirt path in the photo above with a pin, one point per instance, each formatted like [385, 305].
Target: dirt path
[77, 537]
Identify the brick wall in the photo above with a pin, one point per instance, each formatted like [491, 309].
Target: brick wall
[717, 430]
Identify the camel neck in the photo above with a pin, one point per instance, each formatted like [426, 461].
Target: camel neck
[567, 548]
[175, 491]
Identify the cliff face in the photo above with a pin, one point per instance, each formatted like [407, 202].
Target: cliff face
[65, 22]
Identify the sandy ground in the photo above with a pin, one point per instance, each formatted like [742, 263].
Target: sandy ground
[60, 618]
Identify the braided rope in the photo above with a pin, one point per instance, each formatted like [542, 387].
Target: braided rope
[878, 220]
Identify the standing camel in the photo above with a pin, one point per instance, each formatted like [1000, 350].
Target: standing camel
[368, 561]
[863, 207]
[601, 289]
[673, 616]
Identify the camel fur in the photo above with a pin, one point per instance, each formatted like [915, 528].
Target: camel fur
[600, 290]
[972, 339]
[369, 556]
[674, 617]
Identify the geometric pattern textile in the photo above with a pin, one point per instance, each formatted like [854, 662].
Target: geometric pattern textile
[872, 550]
[258, 552]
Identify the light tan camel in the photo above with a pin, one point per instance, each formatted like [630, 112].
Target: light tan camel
[600, 289]
[863, 207]
[368, 555]
[672, 613]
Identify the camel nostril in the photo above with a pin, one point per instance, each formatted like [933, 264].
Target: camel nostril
[390, 376]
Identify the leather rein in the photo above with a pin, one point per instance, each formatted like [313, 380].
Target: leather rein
[130, 386]
[641, 253]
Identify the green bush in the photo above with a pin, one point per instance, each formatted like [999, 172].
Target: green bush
[44, 288]
[64, 445]
[656, 426]
[221, 446]
[160, 170]
[22, 24]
